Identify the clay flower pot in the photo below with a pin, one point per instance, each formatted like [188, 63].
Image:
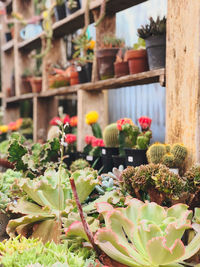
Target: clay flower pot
[36, 84]
[121, 69]
[58, 80]
[106, 58]
[137, 61]
[74, 78]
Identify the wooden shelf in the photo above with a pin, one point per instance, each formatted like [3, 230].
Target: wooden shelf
[8, 46]
[8, 4]
[19, 98]
[76, 21]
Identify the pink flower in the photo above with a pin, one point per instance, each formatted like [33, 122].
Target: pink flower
[70, 138]
[66, 119]
[122, 122]
[145, 122]
[55, 121]
[97, 142]
[89, 139]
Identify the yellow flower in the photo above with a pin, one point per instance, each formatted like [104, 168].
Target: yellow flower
[91, 117]
[3, 128]
[45, 14]
[91, 45]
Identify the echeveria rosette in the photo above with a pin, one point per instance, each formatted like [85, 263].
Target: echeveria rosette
[146, 234]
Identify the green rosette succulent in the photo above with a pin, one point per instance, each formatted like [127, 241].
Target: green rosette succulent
[79, 164]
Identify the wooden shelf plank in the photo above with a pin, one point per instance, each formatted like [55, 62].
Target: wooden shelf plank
[76, 21]
[8, 46]
[19, 98]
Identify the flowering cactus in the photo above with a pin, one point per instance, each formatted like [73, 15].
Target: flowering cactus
[91, 119]
[145, 123]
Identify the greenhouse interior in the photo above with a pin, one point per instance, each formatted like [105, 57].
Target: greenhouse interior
[100, 133]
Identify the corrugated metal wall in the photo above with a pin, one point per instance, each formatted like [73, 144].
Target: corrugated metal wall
[146, 100]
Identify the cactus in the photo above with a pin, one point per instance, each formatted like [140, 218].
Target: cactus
[110, 135]
[143, 140]
[168, 148]
[180, 152]
[168, 160]
[79, 164]
[156, 152]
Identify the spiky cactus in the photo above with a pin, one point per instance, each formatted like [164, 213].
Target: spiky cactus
[143, 140]
[168, 160]
[168, 148]
[180, 152]
[79, 164]
[110, 135]
[156, 152]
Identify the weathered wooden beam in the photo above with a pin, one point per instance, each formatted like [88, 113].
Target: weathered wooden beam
[183, 76]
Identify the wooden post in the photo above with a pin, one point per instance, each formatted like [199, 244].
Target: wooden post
[98, 101]
[183, 76]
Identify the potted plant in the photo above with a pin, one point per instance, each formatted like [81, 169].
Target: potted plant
[70, 140]
[10, 34]
[107, 54]
[84, 57]
[94, 156]
[59, 10]
[154, 35]
[72, 6]
[137, 57]
[58, 77]
[173, 156]
[26, 75]
[111, 141]
[36, 81]
[121, 64]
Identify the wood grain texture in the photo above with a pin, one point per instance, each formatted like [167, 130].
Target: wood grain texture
[183, 76]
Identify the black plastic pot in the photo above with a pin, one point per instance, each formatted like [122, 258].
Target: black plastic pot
[8, 36]
[60, 12]
[106, 58]
[71, 11]
[156, 51]
[107, 160]
[68, 160]
[135, 157]
[85, 73]
[80, 155]
[94, 162]
[118, 160]
[109, 151]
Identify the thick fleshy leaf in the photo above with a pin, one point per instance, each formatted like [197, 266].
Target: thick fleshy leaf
[76, 229]
[160, 254]
[132, 210]
[48, 230]
[109, 243]
[173, 232]
[103, 206]
[177, 210]
[192, 248]
[13, 224]
[152, 212]
[197, 215]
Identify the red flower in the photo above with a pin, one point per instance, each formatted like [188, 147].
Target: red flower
[55, 120]
[73, 121]
[13, 126]
[122, 122]
[145, 122]
[97, 142]
[70, 138]
[89, 139]
[66, 119]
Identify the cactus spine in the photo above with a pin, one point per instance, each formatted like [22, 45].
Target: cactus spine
[110, 135]
[180, 152]
[168, 160]
[156, 152]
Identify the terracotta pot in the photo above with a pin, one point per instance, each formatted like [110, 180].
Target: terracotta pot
[26, 86]
[137, 61]
[56, 81]
[36, 84]
[74, 78]
[121, 69]
[106, 58]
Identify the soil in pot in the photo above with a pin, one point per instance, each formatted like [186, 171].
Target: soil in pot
[135, 157]
[121, 69]
[94, 162]
[70, 11]
[60, 12]
[137, 61]
[106, 58]
[118, 160]
[156, 51]
[36, 84]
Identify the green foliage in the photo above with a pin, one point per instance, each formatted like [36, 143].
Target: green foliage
[32, 161]
[22, 252]
[140, 44]
[168, 160]
[96, 130]
[146, 234]
[82, 52]
[110, 41]
[4, 148]
[79, 164]
[157, 27]
[192, 179]
[110, 135]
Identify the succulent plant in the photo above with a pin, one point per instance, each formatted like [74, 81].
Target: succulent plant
[156, 152]
[168, 160]
[111, 41]
[110, 135]
[143, 140]
[134, 235]
[79, 164]
[157, 27]
[180, 152]
[127, 179]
